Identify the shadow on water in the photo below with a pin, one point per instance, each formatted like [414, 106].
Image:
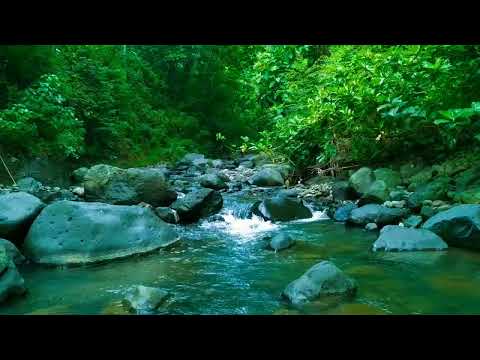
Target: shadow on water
[222, 267]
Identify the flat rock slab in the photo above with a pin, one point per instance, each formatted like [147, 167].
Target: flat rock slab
[70, 232]
[399, 238]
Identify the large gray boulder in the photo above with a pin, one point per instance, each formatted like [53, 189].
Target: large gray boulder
[322, 279]
[197, 204]
[282, 208]
[12, 252]
[145, 300]
[362, 179]
[68, 232]
[458, 226]
[17, 212]
[399, 238]
[378, 214]
[11, 283]
[213, 181]
[267, 177]
[109, 184]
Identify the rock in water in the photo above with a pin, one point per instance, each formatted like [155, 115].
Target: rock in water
[361, 180]
[12, 252]
[17, 212]
[459, 226]
[378, 214]
[198, 204]
[213, 181]
[343, 212]
[168, 215]
[371, 227]
[322, 279]
[282, 208]
[68, 232]
[143, 299]
[11, 283]
[267, 177]
[104, 183]
[399, 238]
[281, 241]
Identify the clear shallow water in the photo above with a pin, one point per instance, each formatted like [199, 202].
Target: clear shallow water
[223, 268]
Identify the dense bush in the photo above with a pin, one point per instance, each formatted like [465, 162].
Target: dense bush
[364, 103]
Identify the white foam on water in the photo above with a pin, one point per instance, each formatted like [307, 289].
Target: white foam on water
[316, 216]
[242, 229]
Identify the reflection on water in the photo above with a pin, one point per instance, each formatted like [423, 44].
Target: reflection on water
[223, 267]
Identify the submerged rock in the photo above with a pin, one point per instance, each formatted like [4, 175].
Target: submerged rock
[459, 226]
[399, 238]
[109, 184]
[371, 227]
[197, 204]
[11, 283]
[281, 241]
[17, 212]
[378, 214]
[69, 232]
[144, 300]
[322, 279]
[267, 177]
[282, 208]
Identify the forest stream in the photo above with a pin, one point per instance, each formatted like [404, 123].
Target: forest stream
[223, 267]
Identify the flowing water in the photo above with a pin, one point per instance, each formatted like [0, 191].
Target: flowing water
[224, 268]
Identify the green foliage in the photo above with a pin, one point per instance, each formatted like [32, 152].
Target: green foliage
[364, 103]
[41, 122]
[303, 104]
